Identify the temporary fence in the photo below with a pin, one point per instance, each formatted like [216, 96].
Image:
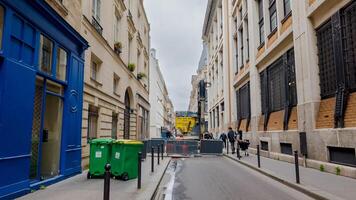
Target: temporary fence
[211, 146]
[182, 147]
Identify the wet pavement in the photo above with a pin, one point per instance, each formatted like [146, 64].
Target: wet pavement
[216, 177]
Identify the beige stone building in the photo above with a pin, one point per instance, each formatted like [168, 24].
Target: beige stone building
[116, 91]
[291, 78]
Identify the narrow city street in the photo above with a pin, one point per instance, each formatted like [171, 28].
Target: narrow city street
[215, 177]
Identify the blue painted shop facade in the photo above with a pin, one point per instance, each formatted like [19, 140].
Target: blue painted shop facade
[41, 87]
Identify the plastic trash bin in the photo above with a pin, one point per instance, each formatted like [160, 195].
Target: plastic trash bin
[100, 152]
[124, 159]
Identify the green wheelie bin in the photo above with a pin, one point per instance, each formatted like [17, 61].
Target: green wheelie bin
[100, 152]
[124, 159]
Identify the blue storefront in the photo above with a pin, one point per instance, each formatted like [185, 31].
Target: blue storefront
[41, 87]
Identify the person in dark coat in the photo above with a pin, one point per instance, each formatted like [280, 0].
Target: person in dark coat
[232, 138]
[223, 137]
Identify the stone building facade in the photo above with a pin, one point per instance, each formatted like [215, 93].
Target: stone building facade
[292, 77]
[116, 90]
[161, 105]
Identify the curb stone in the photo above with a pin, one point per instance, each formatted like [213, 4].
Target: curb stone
[153, 196]
[303, 189]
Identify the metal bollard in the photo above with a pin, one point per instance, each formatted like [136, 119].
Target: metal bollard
[139, 170]
[158, 151]
[162, 147]
[107, 182]
[258, 156]
[152, 159]
[227, 147]
[296, 162]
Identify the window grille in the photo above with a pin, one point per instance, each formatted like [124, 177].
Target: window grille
[276, 86]
[243, 102]
[292, 83]
[327, 68]
[348, 20]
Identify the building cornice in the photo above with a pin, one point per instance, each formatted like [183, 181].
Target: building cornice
[210, 10]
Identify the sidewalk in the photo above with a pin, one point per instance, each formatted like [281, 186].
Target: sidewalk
[322, 184]
[79, 187]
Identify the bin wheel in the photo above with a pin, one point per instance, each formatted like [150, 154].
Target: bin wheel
[88, 175]
[125, 176]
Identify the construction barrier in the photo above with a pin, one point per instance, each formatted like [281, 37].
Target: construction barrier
[211, 146]
[182, 147]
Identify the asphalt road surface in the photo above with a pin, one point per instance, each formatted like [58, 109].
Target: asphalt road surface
[218, 178]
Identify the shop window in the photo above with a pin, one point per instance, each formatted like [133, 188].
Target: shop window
[61, 67]
[264, 145]
[342, 155]
[114, 121]
[93, 115]
[286, 148]
[272, 15]
[1, 24]
[45, 59]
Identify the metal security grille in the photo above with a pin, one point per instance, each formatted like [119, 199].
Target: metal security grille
[264, 91]
[327, 68]
[36, 128]
[243, 102]
[348, 20]
[276, 86]
[292, 83]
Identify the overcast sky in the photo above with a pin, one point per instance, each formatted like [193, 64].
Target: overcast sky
[176, 30]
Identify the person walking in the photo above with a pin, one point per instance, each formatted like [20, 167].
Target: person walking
[232, 138]
[223, 137]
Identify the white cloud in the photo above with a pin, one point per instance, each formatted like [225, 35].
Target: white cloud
[176, 28]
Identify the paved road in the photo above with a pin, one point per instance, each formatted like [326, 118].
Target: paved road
[212, 178]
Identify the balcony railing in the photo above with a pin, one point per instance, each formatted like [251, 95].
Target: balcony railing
[96, 25]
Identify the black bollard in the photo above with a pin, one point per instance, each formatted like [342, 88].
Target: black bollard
[139, 170]
[107, 182]
[158, 151]
[162, 148]
[227, 147]
[152, 159]
[258, 156]
[296, 162]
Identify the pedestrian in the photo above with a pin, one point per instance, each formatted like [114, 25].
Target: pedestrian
[240, 134]
[232, 138]
[223, 137]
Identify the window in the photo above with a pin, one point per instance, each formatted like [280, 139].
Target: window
[218, 117]
[1, 24]
[45, 61]
[114, 120]
[261, 22]
[94, 71]
[116, 28]
[243, 102]
[93, 115]
[272, 15]
[264, 145]
[241, 47]
[342, 155]
[96, 10]
[278, 84]
[247, 42]
[287, 7]
[61, 67]
[286, 148]
[116, 84]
